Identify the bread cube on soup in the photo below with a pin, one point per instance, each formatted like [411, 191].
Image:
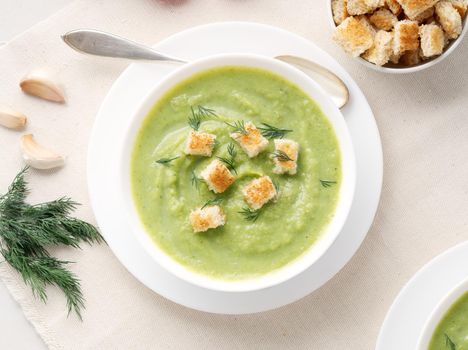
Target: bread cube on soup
[353, 36]
[252, 141]
[285, 156]
[383, 19]
[406, 36]
[361, 7]
[217, 176]
[203, 219]
[258, 192]
[449, 18]
[382, 49]
[460, 5]
[432, 40]
[200, 143]
[394, 6]
[412, 8]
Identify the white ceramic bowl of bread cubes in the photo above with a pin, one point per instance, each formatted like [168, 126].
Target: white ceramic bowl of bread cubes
[398, 36]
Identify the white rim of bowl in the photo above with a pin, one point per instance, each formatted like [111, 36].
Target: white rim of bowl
[411, 69]
[439, 312]
[311, 255]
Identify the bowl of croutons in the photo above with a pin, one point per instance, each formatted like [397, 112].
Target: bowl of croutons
[398, 36]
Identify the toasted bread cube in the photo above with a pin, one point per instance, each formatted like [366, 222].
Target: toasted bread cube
[340, 11]
[217, 176]
[410, 58]
[460, 5]
[253, 142]
[449, 19]
[290, 149]
[209, 217]
[383, 19]
[353, 36]
[413, 8]
[406, 36]
[432, 40]
[394, 58]
[365, 21]
[361, 7]
[394, 6]
[424, 15]
[382, 49]
[200, 143]
[258, 192]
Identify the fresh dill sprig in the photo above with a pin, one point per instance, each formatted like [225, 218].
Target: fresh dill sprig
[195, 180]
[326, 183]
[281, 156]
[272, 132]
[213, 201]
[194, 120]
[230, 162]
[26, 231]
[249, 214]
[449, 343]
[238, 127]
[165, 161]
[207, 112]
[198, 114]
[277, 186]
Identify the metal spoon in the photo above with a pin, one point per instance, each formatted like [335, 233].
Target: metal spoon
[100, 43]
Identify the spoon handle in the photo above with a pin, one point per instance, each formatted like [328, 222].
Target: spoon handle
[100, 43]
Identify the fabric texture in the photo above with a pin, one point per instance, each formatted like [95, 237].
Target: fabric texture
[422, 121]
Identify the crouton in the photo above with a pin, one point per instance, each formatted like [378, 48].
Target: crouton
[285, 156]
[460, 5]
[361, 7]
[406, 36]
[382, 49]
[353, 36]
[258, 192]
[449, 19]
[252, 142]
[410, 58]
[424, 15]
[432, 40]
[340, 12]
[394, 58]
[202, 219]
[200, 143]
[394, 6]
[412, 8]
[383, 19]
[217, 176]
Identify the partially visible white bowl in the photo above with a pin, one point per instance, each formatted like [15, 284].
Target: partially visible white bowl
[397, 69]
[346, 194]
[438, 313]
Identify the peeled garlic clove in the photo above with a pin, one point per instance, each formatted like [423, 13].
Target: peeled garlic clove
[37, 156]
[12, 119]
[40, 85]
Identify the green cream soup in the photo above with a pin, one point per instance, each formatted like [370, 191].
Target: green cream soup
[166, 194]
[452, 331]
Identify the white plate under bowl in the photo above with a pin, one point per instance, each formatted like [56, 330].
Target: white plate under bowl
[413, 306]
[127, 94]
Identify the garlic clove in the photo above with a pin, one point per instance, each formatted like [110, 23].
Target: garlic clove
[12, 119]
[40, 85]
[37, 156]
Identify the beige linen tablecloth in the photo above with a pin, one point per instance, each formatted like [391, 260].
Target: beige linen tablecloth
[424, 126]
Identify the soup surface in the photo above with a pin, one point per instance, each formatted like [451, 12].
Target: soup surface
[452, 331]
[165, 194]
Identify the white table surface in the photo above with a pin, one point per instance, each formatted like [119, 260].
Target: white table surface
[17, 16]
